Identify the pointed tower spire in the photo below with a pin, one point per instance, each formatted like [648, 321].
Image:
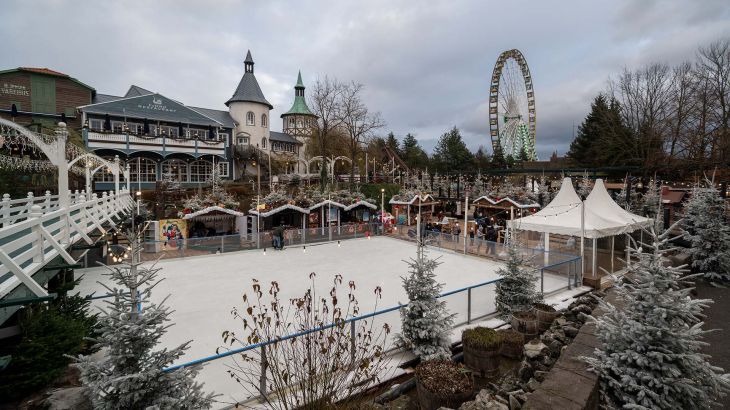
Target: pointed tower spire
[248, 62]
[248, 89]
[300, 104]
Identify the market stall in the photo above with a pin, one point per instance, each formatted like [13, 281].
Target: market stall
[405, 209]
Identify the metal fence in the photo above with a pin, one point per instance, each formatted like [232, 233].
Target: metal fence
[262, 240]
[552, 262]
[467, 304]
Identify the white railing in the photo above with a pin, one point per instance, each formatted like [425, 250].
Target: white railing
[103, 137]
[17, 210]
[41, 231]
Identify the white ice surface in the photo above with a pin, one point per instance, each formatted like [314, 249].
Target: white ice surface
[203, 289]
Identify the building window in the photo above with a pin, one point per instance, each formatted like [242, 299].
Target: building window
[96, 125]
[263, 120]
[117, 127]
[222, 169]
[176, 168]
[104, 174]
[222, 136]
[142, 170]
[200, 171]
[250, 118]
[172, 132]
[135, 128]
[263, 143]
[153, 129]
[292, 123]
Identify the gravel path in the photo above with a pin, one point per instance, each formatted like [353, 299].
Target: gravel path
[718, 317]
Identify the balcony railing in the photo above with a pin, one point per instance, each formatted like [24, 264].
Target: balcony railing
[164, 143]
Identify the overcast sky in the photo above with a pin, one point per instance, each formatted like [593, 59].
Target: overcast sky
[426, 65]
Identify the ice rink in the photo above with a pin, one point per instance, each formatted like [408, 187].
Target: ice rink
[203, 289]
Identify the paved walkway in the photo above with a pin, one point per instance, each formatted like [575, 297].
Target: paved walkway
[718, 317]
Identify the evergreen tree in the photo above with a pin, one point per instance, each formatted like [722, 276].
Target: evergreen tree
[413, 155]
[649, 356]
[481, 159]
[131, 376]
[392, 142]
[498, 159]
[543, 192]
[451, 153]
[426, 323]
[706, 226]
[602, 138]
[621, 198]
[651, 201]
[585, 186]
[516, 291]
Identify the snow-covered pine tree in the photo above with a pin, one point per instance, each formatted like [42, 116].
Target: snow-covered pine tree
[516, 291]
[426, 323]
[621, 198]
[131, 374]
[706, 226]
[543, 192]
[585, 186]
[650, 347]
[651, 201]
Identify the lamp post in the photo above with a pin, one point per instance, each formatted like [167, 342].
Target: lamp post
[139, 197]
[382, 208]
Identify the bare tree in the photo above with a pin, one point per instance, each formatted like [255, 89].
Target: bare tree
[324, 102]
[357, 121]
[714, 67]
[645, 98]
[313, 356]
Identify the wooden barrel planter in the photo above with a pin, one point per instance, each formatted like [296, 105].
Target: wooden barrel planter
[525, 323]
[513, 343]
[546, 314]
[481, 350]
[443, 383]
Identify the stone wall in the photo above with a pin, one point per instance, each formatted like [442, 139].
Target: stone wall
[570, 385]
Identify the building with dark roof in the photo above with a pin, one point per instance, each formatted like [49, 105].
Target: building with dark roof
[162, 138]
[158, 137]
[36, 97]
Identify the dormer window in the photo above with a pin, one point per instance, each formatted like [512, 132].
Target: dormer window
[250, 118]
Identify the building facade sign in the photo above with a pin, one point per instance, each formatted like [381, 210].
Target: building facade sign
[156, 105]
[14, 89]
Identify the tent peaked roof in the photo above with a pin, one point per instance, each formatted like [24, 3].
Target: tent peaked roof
[601, 202]
[601, 215]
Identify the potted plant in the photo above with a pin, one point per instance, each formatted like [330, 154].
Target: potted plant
[525, 322]
[442, 383]
[512, 343]
[545, 315]
[481, 350]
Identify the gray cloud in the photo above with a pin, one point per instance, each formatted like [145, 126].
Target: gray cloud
[426, 66]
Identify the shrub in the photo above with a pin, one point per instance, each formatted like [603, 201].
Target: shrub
[510, 337]
[39, 358]
[481, 338]
[444, 377]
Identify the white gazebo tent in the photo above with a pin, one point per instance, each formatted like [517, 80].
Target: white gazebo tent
[596, 217]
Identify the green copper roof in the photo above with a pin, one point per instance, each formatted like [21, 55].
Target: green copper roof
[300, 104]
[299, 107]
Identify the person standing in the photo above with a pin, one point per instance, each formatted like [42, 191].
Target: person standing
[180, 245]
[480, 238]
[491, 240]
[471, 236]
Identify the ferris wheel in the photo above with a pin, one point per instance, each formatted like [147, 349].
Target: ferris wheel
[512, 106]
